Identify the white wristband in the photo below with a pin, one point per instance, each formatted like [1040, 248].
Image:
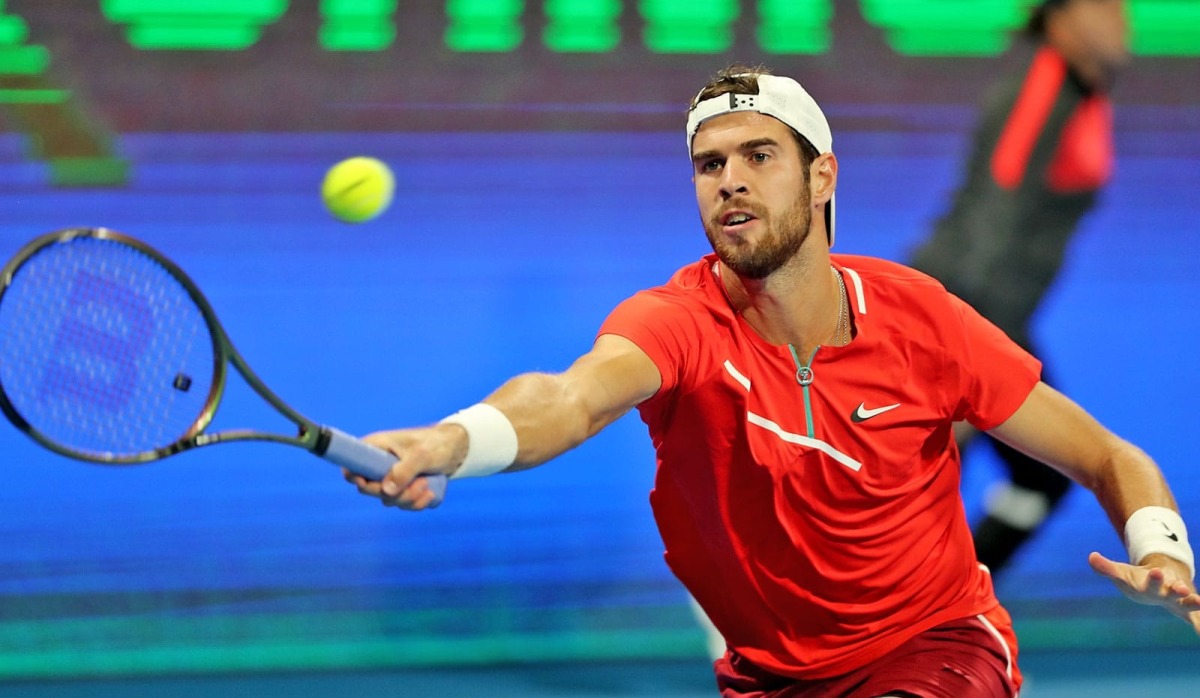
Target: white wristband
[1158, 530]
[491, 440]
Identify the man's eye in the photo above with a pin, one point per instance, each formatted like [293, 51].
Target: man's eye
[759, 157]
[711, 166]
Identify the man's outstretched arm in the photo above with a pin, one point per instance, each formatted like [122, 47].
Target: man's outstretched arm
[548, 414]
[1129, 486]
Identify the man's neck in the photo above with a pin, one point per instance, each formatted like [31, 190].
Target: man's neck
[797, 304]
[1094, 73]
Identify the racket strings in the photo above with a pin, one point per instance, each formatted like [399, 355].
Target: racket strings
[102, 350]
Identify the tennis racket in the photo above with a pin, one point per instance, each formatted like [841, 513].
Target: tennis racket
[110, 354]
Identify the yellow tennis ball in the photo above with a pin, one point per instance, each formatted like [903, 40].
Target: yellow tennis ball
[357, 189]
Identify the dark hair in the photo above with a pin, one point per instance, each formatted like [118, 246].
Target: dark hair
[743, 80]
[1036, 25]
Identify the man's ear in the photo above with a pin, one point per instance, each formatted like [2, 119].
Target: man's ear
[823, 179]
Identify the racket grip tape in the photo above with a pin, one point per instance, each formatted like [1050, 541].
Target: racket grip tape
[363, 459]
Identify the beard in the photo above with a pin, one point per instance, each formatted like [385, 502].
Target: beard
[778, 244]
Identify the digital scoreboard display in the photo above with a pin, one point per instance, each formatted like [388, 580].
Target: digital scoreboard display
[911, 27]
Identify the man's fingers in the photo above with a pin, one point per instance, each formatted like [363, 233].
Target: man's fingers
[1189, 596]
[403, 486]
[425, 497]
[1108, 568]
[414, 496]
[1155, 587]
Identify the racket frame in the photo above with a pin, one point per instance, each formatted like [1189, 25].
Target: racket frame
[310, 436]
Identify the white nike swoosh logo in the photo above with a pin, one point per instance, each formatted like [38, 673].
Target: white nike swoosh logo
[861, 413]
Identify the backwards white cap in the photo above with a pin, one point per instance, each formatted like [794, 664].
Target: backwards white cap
[778, 97]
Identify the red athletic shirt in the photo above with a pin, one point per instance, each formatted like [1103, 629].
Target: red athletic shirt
[820, 528]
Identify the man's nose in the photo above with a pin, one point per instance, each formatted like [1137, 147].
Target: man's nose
[733, 180]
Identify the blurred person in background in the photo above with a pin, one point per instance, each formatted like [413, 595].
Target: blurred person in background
[1041, 154]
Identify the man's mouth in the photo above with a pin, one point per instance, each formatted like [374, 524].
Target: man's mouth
[733, 219]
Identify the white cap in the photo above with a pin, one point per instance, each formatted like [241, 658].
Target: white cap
[778, 97]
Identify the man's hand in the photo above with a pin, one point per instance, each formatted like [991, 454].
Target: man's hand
[1161, 581]
[419, 452]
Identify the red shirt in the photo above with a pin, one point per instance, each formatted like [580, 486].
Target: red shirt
[821, 527]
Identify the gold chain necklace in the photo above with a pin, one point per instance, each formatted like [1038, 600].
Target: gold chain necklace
[841, 333]
[840, 337]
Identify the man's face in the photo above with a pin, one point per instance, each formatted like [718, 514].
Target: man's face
[752, 191]
[1101, 28]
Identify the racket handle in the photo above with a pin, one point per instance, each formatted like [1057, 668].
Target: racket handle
[361, 458]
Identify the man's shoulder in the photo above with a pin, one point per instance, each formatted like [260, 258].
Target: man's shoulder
[898, 292]
[692, 292]
[887, 273]
[670, 321]
[695, 275]
[693, 284]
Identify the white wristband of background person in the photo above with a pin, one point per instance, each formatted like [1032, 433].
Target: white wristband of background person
[1158, 530]
[491, 440]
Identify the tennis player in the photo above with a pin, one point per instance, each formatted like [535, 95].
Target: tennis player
[801, 407]
[1041, 154]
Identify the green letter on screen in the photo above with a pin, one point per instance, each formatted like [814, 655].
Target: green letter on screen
[582, 26]
[947, 27]
[1165, 27]
[689, 26]
[16, 56]
[357, 25]
[794, 26]
[484, 25]
[986, 27]
[229, 25]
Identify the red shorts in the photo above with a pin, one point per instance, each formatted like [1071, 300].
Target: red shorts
[966, 658]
